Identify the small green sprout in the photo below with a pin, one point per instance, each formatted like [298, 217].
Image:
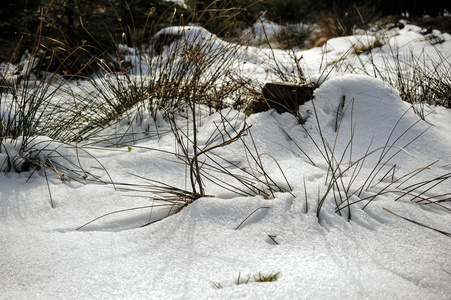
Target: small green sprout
[256, 278]
[270, 278]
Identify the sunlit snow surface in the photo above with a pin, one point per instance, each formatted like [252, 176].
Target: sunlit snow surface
[376, 255]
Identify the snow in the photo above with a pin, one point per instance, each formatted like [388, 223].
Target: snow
[216, 240]
[262, 30]
[181, 3]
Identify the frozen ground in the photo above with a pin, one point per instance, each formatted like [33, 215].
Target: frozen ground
[217, 240]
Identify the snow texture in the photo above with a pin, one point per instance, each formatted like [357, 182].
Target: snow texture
[215, 240]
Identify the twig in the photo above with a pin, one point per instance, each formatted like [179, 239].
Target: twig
[267, 207]
[415, 222]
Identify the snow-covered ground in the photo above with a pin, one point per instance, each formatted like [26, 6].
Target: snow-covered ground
[215, 241]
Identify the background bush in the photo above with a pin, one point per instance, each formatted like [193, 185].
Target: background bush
[98, 23]
[17, 18]
[295, 11]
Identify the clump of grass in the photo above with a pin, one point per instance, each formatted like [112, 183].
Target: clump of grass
[185, 78]
[346, 182]
[266, 278]
[271, 277]
[419, 78]
[182, 65]
[31, 124]
[246, 176]
[360, 48]
[33, 113]
[25, 107]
